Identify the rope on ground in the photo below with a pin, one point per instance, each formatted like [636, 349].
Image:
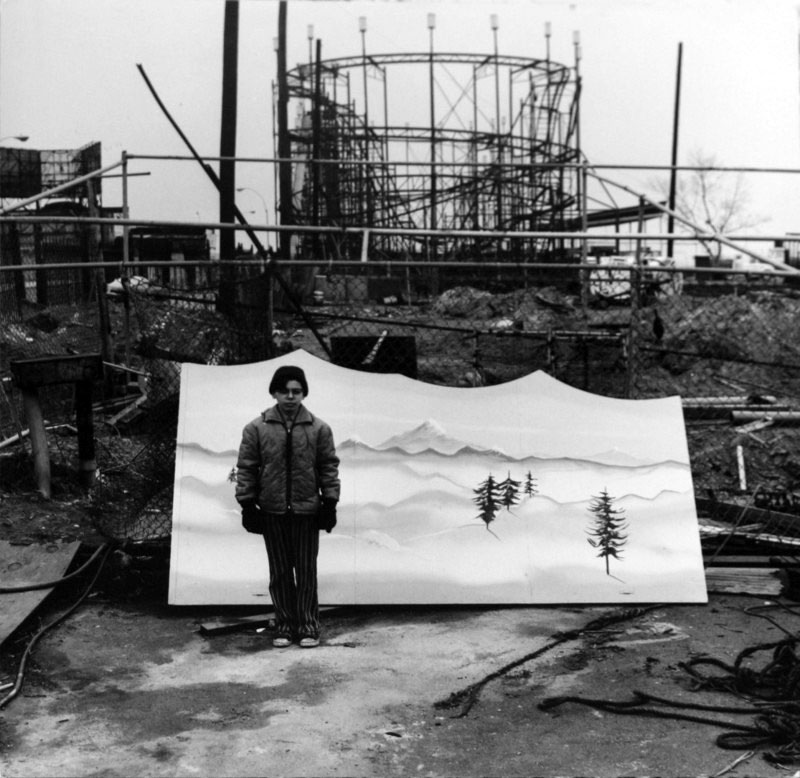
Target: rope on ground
[32, 642]
[771, 691]
[468, 696]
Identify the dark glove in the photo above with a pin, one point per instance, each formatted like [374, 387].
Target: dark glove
[252, 518]
[326, 518]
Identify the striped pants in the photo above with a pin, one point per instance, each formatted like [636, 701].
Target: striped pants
[292, 542]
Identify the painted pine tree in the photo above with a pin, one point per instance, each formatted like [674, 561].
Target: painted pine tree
[608, 530]
[509, 492]
[530, 488]
[487, 498]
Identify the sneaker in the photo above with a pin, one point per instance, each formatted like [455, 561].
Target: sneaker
[309, 642]
[281, 641]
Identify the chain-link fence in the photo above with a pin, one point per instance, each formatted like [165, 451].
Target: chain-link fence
[724, 342]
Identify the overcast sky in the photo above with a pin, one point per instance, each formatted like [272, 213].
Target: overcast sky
[68, 76]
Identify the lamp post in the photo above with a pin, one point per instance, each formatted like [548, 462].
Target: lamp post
[494, 23]
[263, 203]
[582, 174]
[362, 28]
[431, 21]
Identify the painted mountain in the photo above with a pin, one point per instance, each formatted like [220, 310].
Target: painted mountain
[415, 524]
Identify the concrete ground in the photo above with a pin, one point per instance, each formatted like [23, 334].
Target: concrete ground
[137, 688]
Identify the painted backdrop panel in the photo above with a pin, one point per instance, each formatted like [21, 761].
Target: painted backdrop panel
[449, 495]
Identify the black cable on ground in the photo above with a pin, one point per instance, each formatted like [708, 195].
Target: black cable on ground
[32, 642]
[753, 610]
[772, 691]
[468, 696]
[51, 584]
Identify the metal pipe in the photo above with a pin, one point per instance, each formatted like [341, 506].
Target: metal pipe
[214, 264]
[409, 232]
[704, 234]
[524, 165]
[126, 248]
[50, 192]
[251, 233]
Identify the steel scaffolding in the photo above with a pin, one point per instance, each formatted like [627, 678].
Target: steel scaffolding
[434, 152]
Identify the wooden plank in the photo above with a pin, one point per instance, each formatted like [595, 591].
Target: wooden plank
[44, 371]
[732, 513]
[24, 565]
[750, 560]
[41, 455]
[225, 627]
[744, 580]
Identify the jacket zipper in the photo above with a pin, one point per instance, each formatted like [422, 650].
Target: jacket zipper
[288, 428]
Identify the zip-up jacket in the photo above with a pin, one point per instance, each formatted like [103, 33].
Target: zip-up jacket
[287, 466]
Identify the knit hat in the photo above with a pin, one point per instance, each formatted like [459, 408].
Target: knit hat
[287, 373]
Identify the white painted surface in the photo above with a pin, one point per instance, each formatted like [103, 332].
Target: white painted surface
[412, 455]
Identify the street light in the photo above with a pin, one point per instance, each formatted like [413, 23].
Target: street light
[263, 203]
[432, 248]
[20, 138]
[362, 28]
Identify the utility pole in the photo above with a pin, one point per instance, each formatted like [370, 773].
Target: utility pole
[285, 204]
[674, 172]
[227, 148]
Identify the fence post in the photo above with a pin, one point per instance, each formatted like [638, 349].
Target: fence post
[632, 336]
[38, 436]
[42, 290]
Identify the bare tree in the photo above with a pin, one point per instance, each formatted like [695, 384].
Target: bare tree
[712, 199]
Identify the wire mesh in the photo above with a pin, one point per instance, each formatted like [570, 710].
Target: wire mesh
[724, 344]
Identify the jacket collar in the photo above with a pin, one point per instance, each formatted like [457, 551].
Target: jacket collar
[272, 414]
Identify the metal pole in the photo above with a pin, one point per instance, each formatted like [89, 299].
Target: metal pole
[701, 232]
[362, 27]
[310, 31]
[498, 190]
[476, 220]
[434, 193]
[284, 143]
[316, 130]
[126, 260]
[126, 249]
[49, 192]
[275, 184]
[582, 175]
[285, 235]
[228, 120]
[674, 173]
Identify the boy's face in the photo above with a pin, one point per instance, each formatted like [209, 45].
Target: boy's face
[290, 398]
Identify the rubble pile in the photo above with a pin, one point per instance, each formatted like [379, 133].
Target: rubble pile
[706, 346]
[528, 309]
[742, 339]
